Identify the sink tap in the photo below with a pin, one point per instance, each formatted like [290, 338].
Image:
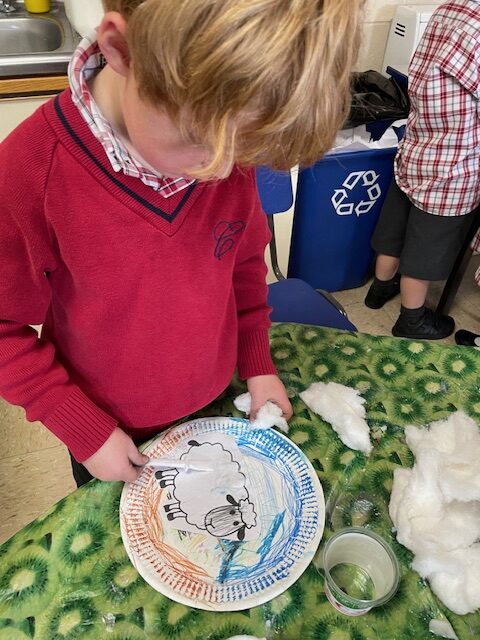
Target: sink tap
[7, 6]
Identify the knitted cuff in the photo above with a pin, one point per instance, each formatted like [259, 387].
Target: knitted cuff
[80, 424]
[254, 358]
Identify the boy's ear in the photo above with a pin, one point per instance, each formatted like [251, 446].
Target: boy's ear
[111, 37]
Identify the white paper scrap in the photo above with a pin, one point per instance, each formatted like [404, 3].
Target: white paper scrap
[360, 139]
[343, 408]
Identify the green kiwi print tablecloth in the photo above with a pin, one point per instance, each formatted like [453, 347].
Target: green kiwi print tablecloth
[67, 576]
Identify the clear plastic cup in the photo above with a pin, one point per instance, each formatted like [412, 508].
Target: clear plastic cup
[361, 571]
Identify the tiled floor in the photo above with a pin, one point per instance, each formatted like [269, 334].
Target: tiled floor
[34, 467]
[466, 308]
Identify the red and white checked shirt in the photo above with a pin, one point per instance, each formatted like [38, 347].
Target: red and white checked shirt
[438, 161]
[86, 61]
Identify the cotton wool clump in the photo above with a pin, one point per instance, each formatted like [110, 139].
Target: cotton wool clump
[435, 507]
[269, 415]
[442, 628]
[343, 408]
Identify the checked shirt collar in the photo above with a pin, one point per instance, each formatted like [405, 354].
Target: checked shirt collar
[86, 61]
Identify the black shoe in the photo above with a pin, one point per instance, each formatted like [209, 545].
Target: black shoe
[381, 292]
[430, 326]
[467, 338]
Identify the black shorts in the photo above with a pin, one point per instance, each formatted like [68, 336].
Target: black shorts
[426, 244]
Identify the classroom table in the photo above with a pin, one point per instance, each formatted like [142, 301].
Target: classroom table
[67, 576]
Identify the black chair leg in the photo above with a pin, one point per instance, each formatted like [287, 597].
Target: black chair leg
[459, 267]
[332, 300]
[451, 286]
[273, 251]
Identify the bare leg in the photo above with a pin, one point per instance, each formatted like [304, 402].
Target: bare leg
[386, 267]
[413, 292]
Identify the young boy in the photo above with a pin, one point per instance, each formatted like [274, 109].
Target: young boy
[131, 227]
[430, 208]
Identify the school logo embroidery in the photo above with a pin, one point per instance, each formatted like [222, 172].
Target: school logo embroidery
[224, 235]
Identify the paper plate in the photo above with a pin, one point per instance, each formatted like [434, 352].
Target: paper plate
[227, 539]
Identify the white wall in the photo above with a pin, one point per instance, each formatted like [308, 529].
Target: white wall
[15, 110]
[378, 16]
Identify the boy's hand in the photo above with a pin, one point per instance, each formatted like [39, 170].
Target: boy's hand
[263, 388]
[117, 459]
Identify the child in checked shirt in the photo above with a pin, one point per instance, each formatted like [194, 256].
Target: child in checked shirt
[431, 204]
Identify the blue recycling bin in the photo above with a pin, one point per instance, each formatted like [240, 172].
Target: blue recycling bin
[337, 206]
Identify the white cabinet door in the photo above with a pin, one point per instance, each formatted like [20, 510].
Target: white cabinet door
[13, 111]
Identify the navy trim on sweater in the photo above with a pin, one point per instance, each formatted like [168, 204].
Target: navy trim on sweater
[159, 212]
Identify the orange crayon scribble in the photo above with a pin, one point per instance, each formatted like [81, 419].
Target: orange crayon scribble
[170, 556]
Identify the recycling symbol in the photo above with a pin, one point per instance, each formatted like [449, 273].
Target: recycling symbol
[342, 198]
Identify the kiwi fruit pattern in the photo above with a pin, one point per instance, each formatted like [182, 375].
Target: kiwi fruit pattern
[66, 576]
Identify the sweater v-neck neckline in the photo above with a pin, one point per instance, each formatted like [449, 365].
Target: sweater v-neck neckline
[166, 214]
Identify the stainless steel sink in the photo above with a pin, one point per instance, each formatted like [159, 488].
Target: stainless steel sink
[29, 35]
[35, 44]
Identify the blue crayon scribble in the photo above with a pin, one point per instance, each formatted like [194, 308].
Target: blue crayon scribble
[289, 529]
[266, 562]
[264, 549]
[230, 547]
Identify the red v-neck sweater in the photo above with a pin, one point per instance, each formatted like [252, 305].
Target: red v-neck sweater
[148, 304]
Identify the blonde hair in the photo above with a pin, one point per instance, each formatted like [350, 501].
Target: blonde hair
[263, 81]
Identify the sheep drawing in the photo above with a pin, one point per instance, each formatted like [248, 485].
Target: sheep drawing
[225, 508]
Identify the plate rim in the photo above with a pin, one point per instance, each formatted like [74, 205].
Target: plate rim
[280, 586]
